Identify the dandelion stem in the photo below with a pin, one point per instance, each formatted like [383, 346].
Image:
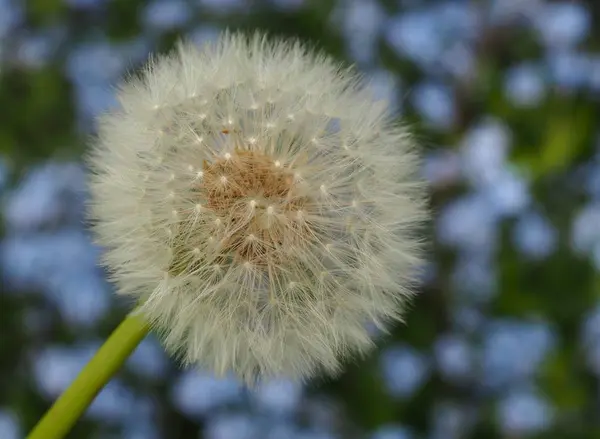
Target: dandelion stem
[67, 409]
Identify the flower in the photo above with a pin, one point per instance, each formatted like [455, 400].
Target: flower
[260, 207]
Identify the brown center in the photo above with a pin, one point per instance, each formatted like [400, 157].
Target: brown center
[257, 204]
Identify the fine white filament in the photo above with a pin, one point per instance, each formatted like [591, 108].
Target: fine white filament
[258, 205]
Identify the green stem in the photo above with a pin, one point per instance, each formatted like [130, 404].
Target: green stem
[69, 407]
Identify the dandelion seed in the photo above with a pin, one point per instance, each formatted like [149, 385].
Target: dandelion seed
[267, 254]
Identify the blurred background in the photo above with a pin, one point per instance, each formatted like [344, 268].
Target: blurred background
[504, 339]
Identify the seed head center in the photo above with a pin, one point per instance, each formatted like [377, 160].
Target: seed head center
[256, 197]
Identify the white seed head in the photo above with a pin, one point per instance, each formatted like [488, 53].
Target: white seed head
[261, 273]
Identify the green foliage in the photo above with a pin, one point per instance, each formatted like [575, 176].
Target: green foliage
[38, 117]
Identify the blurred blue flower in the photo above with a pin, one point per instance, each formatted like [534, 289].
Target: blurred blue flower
[436, 104]
[585, 234]
[392, 431]
[82, 295]
[437, 35]
[454, 357]
[322, 412]
[568, 69]
[474, 277]
[534, 236]
[116, 403]
[589, 172]
[442, 167]
[93, 100]
[484, 150]
[466, 317]
[361, 25]
[85, 3]
[9, 425]
[524, 412]
[404, 370]
[314, 434]
[591, 326]
[590, 335]
[459, 60]
[509, 11]
[513, 350]
[4, 172]
[38, 261]
[563, 23]
[509, 195]
[524, 85]
[195, 393]
[288, 5]
[140, 428]
[55, 367]
[595, 256]
[204, 34]
[48, 195]
[11, 13]
[594, 73]
[468, 223]
[385, 86]
[95, 62]
[135, 50]
[149, 359]
[35, 50]
[94, 68]
[231, 426]
[457, 20]
[279, 397]
[223, 6]
[415, 34]
[165, 15]
[451, 421]
[281, 430]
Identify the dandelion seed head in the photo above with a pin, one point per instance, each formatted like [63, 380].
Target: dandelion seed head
[258, 239]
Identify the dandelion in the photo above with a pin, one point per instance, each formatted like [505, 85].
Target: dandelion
[258, 206]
